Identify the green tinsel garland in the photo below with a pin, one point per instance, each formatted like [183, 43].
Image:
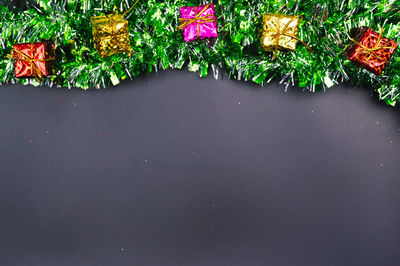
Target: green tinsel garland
[156, 43]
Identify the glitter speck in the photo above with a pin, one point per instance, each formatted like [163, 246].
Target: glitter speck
[312, 111]
[122, 249]
[381, 164]
[238, 102]
[30, 140]
[145, 161]
[47, 131]
[390, 141]
[377, 122]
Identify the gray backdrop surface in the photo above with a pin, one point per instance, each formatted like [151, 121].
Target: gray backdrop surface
[171, 169]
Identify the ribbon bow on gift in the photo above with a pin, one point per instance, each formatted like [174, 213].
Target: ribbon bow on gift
[284, 32]
[374, 51]
[35, 71]
[197, 19]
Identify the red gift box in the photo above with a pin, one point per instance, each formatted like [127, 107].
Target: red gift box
[33, 59]
[371, 50]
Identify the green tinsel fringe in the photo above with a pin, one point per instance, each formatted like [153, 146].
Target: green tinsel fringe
[156, 43]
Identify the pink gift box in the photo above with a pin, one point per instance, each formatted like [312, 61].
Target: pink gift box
[202, 27]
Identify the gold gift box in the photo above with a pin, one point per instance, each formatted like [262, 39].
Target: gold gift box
[279, 32]
[111, 34]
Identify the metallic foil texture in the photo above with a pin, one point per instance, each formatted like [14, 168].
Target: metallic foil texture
[279, 32]
[202, 22]
[370, 50]
[111, 34]
[33, 60]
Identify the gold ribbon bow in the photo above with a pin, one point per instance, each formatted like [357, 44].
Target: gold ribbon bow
[117, 16]
[130, 9]
[35, 71]
[284, 31]
[197, 19]
[113, 18]
[372, 51]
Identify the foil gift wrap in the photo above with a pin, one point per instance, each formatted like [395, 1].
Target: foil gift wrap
[370, 50]
[111, 34]
[279, 32]
[198, 22]
[33, 59]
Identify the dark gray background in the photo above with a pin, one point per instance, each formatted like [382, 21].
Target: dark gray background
[171, 169]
